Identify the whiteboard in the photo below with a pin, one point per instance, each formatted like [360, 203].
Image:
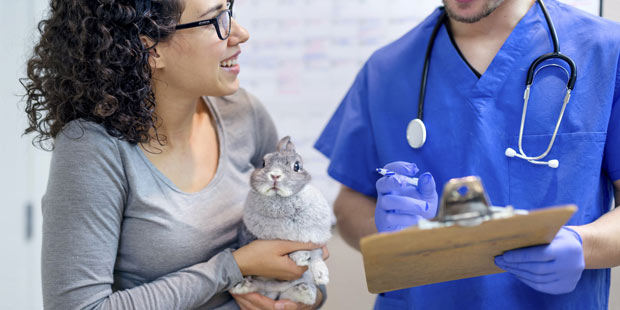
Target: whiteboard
[303, 55]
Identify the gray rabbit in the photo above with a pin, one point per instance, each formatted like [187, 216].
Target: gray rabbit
[282, 205]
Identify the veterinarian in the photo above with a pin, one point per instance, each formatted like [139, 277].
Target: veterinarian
[452, 98]
[148, 175]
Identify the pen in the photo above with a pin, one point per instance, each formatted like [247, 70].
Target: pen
[385, 172]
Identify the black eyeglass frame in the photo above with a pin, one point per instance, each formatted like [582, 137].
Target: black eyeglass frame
[210, 21]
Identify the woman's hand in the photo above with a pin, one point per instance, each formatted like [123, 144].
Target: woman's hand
[269, 258]
[255, 301]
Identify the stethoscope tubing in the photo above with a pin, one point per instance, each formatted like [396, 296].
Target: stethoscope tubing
[427, 60]
[556, 54]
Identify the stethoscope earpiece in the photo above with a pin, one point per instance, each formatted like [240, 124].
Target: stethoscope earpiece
[554, 163]
[510, 152]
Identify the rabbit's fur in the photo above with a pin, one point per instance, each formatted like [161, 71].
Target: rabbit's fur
[282, 205]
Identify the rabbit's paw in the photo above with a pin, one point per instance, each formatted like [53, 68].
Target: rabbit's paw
[301, 258]
[320, 273]
[303, 292]
[244, 287]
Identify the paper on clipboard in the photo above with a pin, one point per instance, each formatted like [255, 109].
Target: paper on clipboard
[415, 256]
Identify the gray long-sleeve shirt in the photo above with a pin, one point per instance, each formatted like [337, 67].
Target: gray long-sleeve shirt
[118, 234]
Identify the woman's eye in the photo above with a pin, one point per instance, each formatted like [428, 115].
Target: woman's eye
[296, 166]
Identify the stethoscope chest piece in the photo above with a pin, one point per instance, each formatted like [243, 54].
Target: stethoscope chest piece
[416, 133]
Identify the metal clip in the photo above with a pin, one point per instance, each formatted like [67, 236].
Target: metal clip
[464, 202]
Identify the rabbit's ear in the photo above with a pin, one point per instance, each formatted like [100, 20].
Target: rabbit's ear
[285, 144]
[290, 146]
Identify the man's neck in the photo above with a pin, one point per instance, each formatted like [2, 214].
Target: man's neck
[479, 42]
[499, 23]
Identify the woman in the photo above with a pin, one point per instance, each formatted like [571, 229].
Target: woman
[148, 175]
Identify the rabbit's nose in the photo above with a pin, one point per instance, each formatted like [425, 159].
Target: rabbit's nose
[275, 176]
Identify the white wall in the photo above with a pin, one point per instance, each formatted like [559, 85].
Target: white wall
[23, 170]
[300, 79]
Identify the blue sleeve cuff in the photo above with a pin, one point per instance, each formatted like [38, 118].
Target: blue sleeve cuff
[352, 183]
[343, 177]
[577, 235]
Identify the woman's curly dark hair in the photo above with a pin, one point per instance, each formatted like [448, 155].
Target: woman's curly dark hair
[91, 64]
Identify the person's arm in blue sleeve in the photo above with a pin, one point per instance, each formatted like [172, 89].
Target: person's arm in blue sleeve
[556, 268]
[601, 238]
[601, 242]
[348, 140]
[399, 205]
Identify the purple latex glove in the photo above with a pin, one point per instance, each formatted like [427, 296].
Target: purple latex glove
[554, 268]
[399, 204]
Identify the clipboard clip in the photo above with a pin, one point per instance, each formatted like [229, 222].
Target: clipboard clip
[465, 203]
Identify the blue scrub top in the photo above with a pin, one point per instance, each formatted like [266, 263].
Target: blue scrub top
[471, 121]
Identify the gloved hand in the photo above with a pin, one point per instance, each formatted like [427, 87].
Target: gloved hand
[399, 204]
[554, 268]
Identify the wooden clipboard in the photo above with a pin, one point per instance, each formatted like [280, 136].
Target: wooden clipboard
[414, 256]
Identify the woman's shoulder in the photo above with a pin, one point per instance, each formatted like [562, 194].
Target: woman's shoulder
[84, 152]
[84, 135]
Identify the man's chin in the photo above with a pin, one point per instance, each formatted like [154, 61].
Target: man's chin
[469, 12]
[464, 17]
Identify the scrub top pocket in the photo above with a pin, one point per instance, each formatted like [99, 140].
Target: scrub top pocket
[533, 186]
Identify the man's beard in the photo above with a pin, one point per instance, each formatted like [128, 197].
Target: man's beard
[489, 8]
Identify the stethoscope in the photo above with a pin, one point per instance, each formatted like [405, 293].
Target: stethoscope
[416, 130]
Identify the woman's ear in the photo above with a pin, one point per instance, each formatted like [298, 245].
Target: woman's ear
[156, 61]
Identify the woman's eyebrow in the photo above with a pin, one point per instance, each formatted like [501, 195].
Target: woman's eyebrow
[211, 10]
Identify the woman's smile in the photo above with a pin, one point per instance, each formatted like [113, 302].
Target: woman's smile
[230, 64]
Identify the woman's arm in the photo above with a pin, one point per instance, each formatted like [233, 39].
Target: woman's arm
[83, 211]
[82, 215]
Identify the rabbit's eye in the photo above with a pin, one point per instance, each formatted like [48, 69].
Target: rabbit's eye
[263, 163]
[297, 166]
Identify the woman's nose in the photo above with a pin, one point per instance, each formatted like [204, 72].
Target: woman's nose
[238, 34]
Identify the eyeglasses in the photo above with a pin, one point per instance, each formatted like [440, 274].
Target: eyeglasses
[222, 23]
